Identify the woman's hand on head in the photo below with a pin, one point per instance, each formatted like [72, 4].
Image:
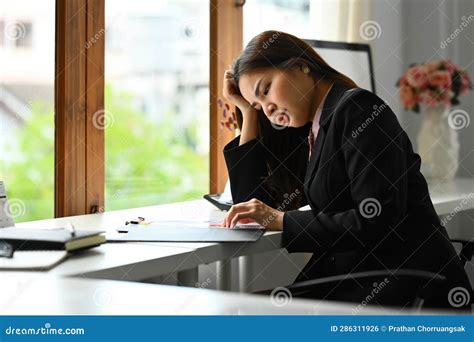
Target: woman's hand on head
[271, 219]
[232, 94]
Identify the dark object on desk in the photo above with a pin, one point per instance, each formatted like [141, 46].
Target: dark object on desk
[50, 239]
[6, 250]
[216, 200]
[187, 234]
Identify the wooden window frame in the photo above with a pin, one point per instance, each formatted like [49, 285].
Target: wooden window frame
[79, 99]
[226, 44]
[79, 107]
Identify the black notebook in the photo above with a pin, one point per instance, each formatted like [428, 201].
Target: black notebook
[50, 239]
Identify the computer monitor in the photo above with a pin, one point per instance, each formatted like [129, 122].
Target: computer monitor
[351, 59]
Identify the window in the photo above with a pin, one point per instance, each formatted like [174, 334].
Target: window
[2, 32]
[290, 16]
[27, 106]
[156, 102]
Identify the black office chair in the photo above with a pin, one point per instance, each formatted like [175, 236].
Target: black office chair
[467, 249]
[412, 289]
[406, 286]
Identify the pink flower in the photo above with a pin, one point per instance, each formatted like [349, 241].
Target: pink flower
[407, 97]
[465, 84]
[431, 84]
[428, 98]
[403, 81]
[433, 65]
[444, 97]
[449, 66]
[440, 78]
[417, 76]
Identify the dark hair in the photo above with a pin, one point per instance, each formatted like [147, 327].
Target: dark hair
[274, 49]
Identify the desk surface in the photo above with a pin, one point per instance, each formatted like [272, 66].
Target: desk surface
[137, 261]
[448, 196]
[36, 294]
[47, 293]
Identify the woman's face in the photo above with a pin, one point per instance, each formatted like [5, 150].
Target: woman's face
[286, 97]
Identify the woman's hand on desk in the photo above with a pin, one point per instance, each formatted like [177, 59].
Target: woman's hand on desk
[271, 219]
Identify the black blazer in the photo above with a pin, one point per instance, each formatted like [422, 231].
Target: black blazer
[370, 206]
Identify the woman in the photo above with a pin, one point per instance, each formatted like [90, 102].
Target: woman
[310, 136]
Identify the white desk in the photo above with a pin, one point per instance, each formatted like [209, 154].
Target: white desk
[137, 261]
[36, 294]
[447, 197]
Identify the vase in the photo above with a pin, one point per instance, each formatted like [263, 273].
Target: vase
[438, 145]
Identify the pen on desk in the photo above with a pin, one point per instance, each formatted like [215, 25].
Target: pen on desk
[141, 220]
[132, 222]
[70, 227]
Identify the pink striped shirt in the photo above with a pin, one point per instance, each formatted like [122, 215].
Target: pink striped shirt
[313, 133]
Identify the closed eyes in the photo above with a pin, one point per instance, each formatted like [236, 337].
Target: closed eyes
[267, 89]
[265, 93]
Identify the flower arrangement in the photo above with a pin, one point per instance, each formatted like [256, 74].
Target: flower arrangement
[431, 84]
[229, 118]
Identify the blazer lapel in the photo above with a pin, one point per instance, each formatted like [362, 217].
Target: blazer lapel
[330, 105]
[315, 156]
